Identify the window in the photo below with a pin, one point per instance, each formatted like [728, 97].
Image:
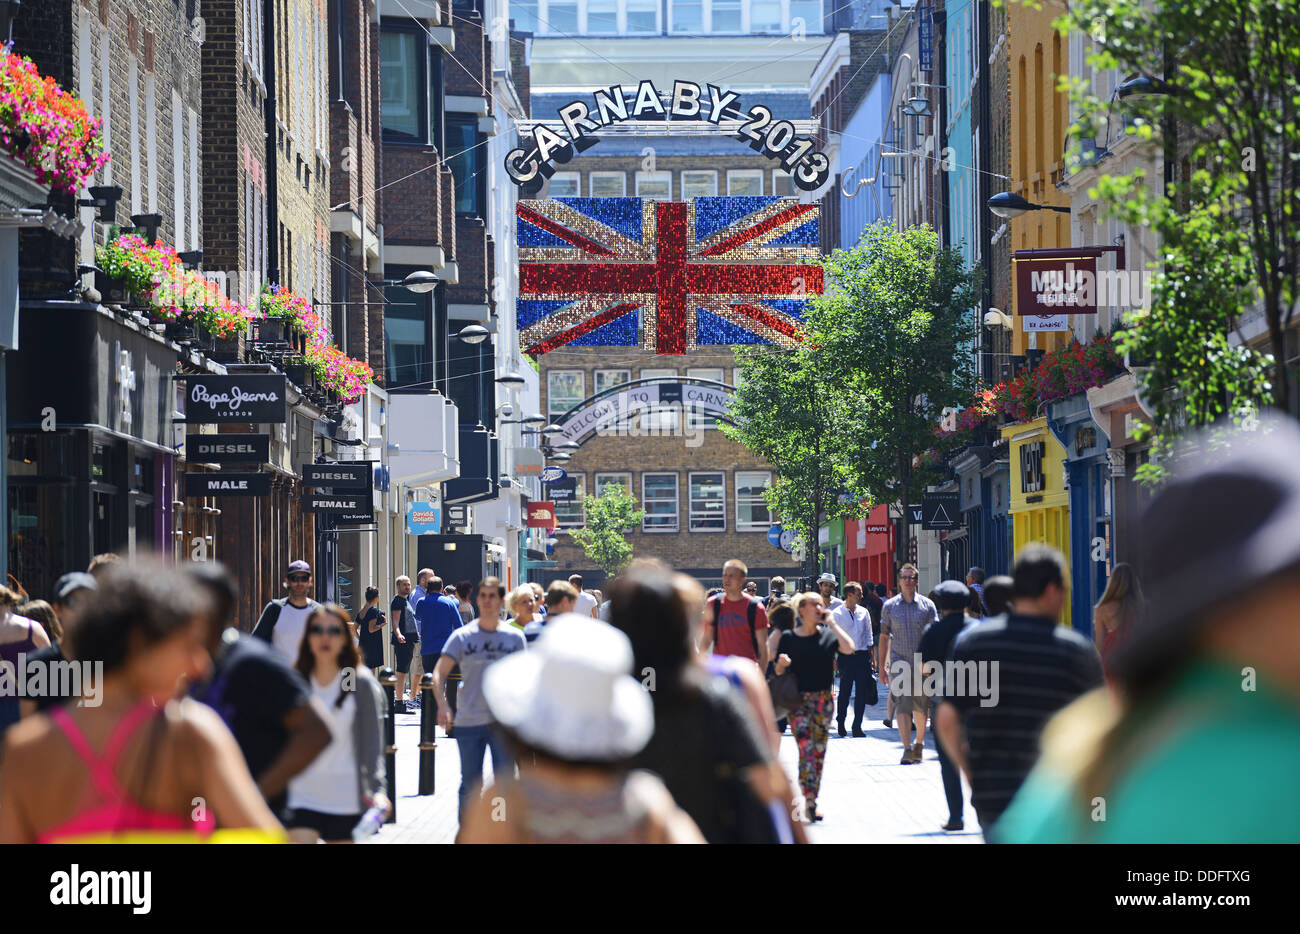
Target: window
[752, 514]
[408, 335]
[744, 181]
[563, 390]
[699, 185]
[782, 183]
[605, 480]
[524, 14]
[401, 74]
[565, 185]
[810, 11]
[688, 16]
[708, 506]
[657, 186]
[726, 16]
[562, 17]
[467, 160]
[659, 500]
[764, 15]
[659, 419]
[608, 378]
[602, 16]
[642, 17]
[569, 514]
[717, 375]
[607, 184]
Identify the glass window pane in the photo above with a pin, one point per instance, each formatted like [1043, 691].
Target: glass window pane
[656, 186]
[401, 73]
[659, 500]
[571, 515]
[810, 11]
[563, 390]
[605, 480]
[562, 17]
[782, 183]
[607, 184]
[726, 15]
[406, 356]
[524, 13]
[642, 16]
[464, 157]
[764, 16]
[565, 185]
[745, 182]
[688, 16]
[716, 374]
[752, 514]
[699, 184]
[708, 502]
[607, 378]
[659, 419]
[602, 16]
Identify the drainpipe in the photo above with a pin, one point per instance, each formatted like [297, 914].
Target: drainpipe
[272, 135]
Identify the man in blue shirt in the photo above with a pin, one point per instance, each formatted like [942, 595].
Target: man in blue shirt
[437, 617]
[421, 588]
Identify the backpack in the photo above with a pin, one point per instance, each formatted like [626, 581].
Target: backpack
[271, 615]
[751, 612]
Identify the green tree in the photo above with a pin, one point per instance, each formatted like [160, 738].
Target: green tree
[896, 329]
[1224, 119]
[787, 410]
[603, 538]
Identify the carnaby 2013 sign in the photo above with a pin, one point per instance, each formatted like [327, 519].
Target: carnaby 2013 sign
[581, 120]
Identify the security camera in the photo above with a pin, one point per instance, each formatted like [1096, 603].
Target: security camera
[996, 318]
[506, 410]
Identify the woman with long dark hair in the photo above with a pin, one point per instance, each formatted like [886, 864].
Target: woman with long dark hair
[328, 799]
[1116, 613]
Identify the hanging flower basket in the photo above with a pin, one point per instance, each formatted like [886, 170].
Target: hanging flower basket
[309, 336]
[46, 128]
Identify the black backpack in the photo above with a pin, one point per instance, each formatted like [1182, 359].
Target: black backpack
[751, 612]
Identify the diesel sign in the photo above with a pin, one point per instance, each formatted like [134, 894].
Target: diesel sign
[356, 477]
[227, 449]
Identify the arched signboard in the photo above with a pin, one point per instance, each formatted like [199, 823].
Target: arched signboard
[614, 406]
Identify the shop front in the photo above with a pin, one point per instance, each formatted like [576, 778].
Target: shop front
[1039, 504]
[90, 457]
[1118, 412]
[986, 539]
[1087, 472]
[869, 548]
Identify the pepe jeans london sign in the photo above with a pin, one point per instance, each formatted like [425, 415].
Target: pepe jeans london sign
[244, 398]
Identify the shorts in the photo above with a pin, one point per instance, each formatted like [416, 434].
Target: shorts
[907, 689]
[402, 655]
[329, 826]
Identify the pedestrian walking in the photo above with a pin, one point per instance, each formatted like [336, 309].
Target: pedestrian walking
[737, 621]
[561, 597]
[328, 799]
[751, 589]
[975, 584]
[1041, 667]
[405, 636]
[283, 620]
[263, 701]
[809, 651]
[903, 619]
[775, 592]
[855, 668]
[1117, 614]
[953, 600]
[974, 607]
[780, 617]
[826, 585]
[438, 617]
[39, 611]
[423, 579]
[466, 609]
[72, 594]
[370, 631]
[1192, 748]
[136, 762]
[523, 612]
[998, 591]
[586, 604]
[475, 647]
[574, 748]
[707, 747]
[874, 604]
[19, 637]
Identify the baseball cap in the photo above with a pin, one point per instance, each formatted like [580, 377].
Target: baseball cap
[299, 567]
[951, 596]
[70, 583]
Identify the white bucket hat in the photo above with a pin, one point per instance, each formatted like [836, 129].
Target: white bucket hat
[571, 694]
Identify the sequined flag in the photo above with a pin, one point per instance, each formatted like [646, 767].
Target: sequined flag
[666, 276]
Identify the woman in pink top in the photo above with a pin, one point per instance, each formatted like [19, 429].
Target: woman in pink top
[1116, 613]
[139, 760]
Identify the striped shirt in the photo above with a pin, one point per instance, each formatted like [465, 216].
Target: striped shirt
[1042, 667]
[904, 623]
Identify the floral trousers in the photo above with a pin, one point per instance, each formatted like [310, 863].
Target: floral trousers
[811, 725]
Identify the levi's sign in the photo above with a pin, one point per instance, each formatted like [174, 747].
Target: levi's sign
[248, 397]
[351, 477]
[227, 449]
[227, 484]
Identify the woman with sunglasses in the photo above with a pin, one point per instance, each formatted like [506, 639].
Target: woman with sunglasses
[809, 650]
[328, 798]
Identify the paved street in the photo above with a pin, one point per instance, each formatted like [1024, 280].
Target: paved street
[867, 795]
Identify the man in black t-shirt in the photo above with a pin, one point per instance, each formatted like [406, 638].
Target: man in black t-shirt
[951, 597]
[405, 635]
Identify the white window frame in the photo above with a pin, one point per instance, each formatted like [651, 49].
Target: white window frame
[584, 23]
[777, 173]
[677, 504]
[596, 379]
[551, 410]
[712, 175]
[579, 492]
[622, 20]
[747, 173]
[575, 177]
[657, 178]
[544, 16]
[593, 177]
[692, 515]
[783, 27]
[747, 525]
[602, 479]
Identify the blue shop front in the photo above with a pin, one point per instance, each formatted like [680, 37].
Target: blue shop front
[1088, 477]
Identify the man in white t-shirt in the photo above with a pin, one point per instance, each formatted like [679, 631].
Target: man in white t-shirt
[586, 604]
[283, 621]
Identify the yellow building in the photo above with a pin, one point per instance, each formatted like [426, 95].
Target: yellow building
[1039, 502]
[1039, 119]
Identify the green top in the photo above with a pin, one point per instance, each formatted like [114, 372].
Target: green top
[1227, 773]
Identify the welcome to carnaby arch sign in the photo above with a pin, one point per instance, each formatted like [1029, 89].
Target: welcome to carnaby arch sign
[776, 139]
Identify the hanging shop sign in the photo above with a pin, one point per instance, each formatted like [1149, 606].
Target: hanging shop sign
[529, 462]
[579, 121]
[1055, 285]
[553, 473]
[352, 477]
[227, 484]
[339, 504]
[248, 397]
[941, 511]
[227, 449]
[423, 519]
[541, 515]
[566, 491]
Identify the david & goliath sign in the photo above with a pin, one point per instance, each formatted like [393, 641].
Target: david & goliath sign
[581, 120]
[248, 397]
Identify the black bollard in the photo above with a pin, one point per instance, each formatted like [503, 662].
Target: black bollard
[428, 724]
[388, 680]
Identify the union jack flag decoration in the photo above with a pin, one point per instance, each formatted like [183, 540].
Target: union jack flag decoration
[666, 276]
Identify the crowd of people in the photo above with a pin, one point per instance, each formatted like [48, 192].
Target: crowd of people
[656, 714]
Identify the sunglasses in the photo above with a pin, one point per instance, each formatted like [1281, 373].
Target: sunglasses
[299, 578]
[909, 578]
[325, 630]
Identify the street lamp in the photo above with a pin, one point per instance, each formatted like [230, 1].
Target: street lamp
[561, 457]
[1144, 86]
[472, 334]
[568, 446]
[420, 282]
[511, 379]
[1008, 204]
[8, 11]
[918, 106]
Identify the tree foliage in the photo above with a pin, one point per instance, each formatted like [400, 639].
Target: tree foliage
[603, 538]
